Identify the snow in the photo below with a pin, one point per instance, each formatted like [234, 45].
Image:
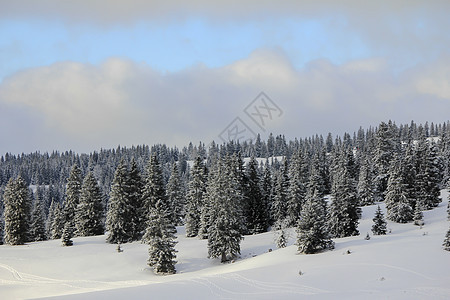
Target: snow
[408, 263]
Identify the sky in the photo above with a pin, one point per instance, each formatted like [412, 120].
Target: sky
[85, 75]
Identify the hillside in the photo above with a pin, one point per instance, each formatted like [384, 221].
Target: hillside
[408, 263]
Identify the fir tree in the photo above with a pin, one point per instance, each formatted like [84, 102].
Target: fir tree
[137, 209]
[89, 213]
[344, 217]
[196, 189]
[365, 187]
[257, 210]
[418, 216]
[282, 235]
[57, 226]
[279, 204]
[312, 231]
[119, 218]
[207, 202]
[176, 195]
[397, 205]
[266, 190]
[16, 212]
[379, 226]
[50, 218]
[446, 243]
[160, 231]
[296, 190]
[73, 192]
[224, 235]
[67, 235]
[37, 226]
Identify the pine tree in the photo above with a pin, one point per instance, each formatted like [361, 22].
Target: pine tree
[365, 187]
[67, 234]
[279, 204]
[50, 218]
[197, 187]
[138, 212]
[446, 243]
[207, 202]
[176, 195]
[224, 235]
[257, 210]
[418, 216]
[344, 217]
[57, 226]
[266, 191]
[37, 226]
[397, 204]
[297, 189]
[16, 212]
[160, 231]
[89, 213]
[312, 231]
[119, 218]
[379, 226]
[73, 192]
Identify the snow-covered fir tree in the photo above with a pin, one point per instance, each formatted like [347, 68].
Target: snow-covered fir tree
[90, 212]
[387, 145]
[16, 201]
[257, 211]
[153, 190]
[73, 192]
[207, 202]
[176, 195]
[428, 177]
[194, 199]
[50, 218]
[266, 190]
[224, 235]
[343, 220]
[57, 225]
[280, 194]
[296, 189]
[379, 223]
[397, 204]
[160, 229]
[365, 188]
[282, 234]
[418, 216]
[446, 243]
[138, 212]
[67, 234]
[312, 229]
[119, 217]
[37, 226]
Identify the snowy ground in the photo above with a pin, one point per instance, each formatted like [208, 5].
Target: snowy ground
[409, 263]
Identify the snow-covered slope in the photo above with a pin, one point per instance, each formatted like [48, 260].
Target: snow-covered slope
[408, 263]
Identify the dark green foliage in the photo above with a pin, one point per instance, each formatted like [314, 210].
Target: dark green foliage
[17, 212]
[57, 225]
[397, 204]
[160, 231]
[280, 194]
[379, 226]
[119, 218]
[257, 210]
[365, 188]
[224, 234]
[37, 226]
[90, 212]
[73, 192]
[196, 189]
[67, 234]
[343, 220]
[176, 195]
[297, 190]
[446, 243]
[312, 231]
[138, 212]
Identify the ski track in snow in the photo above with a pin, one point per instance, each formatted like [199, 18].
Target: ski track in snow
[258, 287]
[34, 280]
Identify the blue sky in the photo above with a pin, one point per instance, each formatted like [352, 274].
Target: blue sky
[88, 74]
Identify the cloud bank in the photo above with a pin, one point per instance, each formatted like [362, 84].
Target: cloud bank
[86, 107]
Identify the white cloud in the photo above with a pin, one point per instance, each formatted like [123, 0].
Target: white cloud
[86, 107]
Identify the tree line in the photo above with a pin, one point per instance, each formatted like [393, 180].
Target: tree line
[221, 195]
